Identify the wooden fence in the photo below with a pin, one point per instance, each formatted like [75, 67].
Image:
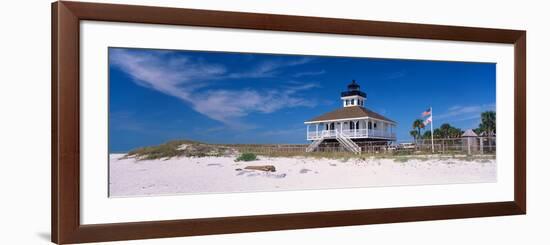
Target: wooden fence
[470, 145]
[268, 148]
[467, 145]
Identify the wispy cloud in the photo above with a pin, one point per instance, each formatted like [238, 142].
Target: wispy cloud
[268, 68]
[190, 80]
[229, 105]
[309, 73]
[163, 72]
[201, 130]
[296, 86]
[283, 132]
[461, 113]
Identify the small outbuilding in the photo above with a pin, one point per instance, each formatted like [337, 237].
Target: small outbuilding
[470, 141]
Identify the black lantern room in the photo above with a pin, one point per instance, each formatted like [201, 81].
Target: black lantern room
[353, 89]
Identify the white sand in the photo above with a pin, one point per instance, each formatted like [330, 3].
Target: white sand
[129, 177]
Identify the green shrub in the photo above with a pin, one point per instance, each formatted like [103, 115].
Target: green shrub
[246, 157]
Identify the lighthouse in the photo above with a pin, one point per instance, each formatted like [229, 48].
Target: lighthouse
[350, 124]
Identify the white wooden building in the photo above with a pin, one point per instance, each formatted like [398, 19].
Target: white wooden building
[350, 124]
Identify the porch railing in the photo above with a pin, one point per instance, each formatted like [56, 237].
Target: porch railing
[351, 133]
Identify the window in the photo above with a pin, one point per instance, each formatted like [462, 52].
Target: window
[352, 102]
[374, 125]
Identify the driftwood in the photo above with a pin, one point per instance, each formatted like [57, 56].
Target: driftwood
[266, 168]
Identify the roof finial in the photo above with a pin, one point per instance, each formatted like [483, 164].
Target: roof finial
[353, 86]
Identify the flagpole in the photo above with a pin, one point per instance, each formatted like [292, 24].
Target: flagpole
[432, 128]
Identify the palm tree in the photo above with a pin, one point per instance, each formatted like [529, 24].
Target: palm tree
[445, 130]
[454, 132]
[437, 133]
[418, 124]
[427, 135]
[478, 131]
[488, 122]
[414, 134]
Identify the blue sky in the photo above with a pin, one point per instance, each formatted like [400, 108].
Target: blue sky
[221, 97]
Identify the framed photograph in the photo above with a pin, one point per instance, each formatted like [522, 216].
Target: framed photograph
[174, 122]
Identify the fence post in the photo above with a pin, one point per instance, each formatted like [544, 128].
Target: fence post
[469, 146]
[481, 145]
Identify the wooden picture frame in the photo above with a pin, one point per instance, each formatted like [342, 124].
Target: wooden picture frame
[65, 175]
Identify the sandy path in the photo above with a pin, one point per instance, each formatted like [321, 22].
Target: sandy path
[129, 177]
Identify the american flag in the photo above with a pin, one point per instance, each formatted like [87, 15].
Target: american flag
[427, 112]
[428, 121]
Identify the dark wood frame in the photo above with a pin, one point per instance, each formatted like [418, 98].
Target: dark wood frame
[66, 227]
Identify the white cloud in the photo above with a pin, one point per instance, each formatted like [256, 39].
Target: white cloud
[189, 80]
[167, 75]
[309, 73]
[462, 113]
[268, 68]
[283, 132]
[228, 106]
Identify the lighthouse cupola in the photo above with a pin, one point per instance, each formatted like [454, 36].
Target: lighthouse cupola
[353, 96]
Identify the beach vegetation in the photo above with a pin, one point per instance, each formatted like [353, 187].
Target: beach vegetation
[246, 157]
[488, 123]
[401, 159]
[179, 148]
[417, 125]
[414, 134]
[245, 153]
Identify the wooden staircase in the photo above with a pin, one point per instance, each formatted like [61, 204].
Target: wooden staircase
[311, 147]
[348, 143]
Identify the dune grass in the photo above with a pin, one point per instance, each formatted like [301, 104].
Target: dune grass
[166, 150]
[178, 148]
[189, 148]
